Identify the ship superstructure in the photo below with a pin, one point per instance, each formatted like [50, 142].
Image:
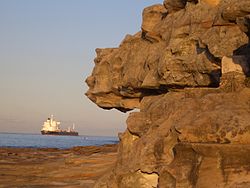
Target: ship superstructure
[51, 127]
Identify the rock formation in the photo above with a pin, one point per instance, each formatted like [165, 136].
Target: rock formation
[187, 73]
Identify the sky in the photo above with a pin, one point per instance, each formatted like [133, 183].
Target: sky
[47, 48]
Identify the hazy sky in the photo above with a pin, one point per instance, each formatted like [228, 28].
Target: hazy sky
[47, 49]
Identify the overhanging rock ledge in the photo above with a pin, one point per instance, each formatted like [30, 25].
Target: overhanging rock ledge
[187, 71]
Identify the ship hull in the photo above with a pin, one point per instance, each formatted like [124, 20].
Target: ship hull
[59, 133]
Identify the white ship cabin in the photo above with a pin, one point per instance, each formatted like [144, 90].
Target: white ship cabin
[51, 125]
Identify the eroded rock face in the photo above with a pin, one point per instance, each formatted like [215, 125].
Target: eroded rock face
[173, 50]
[187, 72]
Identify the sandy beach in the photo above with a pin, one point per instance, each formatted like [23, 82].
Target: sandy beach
[75, 167]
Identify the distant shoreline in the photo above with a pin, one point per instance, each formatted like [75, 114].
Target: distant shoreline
[104, 147]
[44, 148]
[41, 134]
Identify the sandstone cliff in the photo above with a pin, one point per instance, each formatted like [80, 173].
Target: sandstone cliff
[187, 72]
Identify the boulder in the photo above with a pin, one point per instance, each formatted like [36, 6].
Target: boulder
[237, 64]
[234, 9]
[151, 17]
[174, 5]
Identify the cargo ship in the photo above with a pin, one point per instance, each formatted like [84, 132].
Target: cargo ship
[52, 127]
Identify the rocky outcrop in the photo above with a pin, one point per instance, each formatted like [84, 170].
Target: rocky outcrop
[187, 72]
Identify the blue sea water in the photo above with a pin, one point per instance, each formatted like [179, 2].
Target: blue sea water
[49, 141]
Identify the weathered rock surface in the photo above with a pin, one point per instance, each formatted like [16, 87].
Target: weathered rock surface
[187, 72]
[75, 167]
[181, 49]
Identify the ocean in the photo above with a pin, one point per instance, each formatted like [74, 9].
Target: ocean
[49, 141]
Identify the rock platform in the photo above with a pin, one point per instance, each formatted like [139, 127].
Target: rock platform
[45, 168]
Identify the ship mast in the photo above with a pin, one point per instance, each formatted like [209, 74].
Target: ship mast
[51, 120]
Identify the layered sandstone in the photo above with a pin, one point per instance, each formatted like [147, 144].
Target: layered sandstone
[50, 167]
[187, 72]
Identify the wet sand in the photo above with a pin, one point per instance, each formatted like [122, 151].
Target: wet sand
[36, 168]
